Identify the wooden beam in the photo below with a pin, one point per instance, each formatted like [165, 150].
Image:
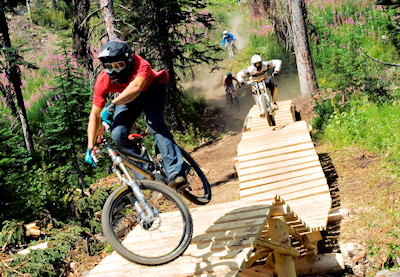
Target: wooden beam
[314, 237]
[319, 264]
[258, 255]
[278, 247]
[311, 248]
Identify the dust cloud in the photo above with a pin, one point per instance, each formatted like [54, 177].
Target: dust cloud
[210, 86]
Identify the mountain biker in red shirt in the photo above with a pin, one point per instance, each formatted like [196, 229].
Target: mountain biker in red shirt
[140, 89]
[228, 84]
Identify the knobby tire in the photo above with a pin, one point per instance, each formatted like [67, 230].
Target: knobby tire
[199, 190]
[111, 220]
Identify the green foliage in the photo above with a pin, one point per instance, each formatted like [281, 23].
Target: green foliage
[88, 209]
[57, 19]
[65, 125]
[375, 127]
[341, 35]
[15, 163]
[193, 110]
[189, 139]
[54, 261]
[12, 234]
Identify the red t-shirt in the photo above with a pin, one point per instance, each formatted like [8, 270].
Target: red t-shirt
[229, 80]
[141, 68]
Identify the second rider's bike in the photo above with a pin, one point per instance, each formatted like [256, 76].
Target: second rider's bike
[231, 97]
[264, 99]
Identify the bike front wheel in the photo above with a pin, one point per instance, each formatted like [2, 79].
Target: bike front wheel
[160, 242]
[198, 190]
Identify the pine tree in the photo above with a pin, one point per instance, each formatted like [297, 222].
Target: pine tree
[170, 34]
[66, 122]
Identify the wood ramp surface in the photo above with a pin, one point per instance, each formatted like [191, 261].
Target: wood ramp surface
[282, 160]
[280, 175]
[224, 235]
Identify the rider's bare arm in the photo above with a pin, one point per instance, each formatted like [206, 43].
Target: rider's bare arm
[131, 91]
[94, 123]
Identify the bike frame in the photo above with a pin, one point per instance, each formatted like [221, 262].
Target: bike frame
[120, 163]
[263, 95]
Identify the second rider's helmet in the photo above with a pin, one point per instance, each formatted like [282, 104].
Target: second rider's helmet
[116, 57]
[229, 74]
[256, 60]
[225, 33]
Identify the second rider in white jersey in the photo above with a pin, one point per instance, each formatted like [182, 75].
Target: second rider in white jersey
[258, 71]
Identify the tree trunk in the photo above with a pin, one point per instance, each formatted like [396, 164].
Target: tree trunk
[28, 7]
[14, 77]
[107, 8]
[307, 78]
[80, 34]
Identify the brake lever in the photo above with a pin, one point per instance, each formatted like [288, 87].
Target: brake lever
[106, 125]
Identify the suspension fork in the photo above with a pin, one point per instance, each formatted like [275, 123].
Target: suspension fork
[141, 204]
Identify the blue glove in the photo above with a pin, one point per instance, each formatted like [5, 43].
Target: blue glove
[108, 112]
[88, 157]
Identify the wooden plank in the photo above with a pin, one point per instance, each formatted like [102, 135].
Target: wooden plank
[277, 158]
[272, 140]
[293, 127]
[298, 125]
[265, 154]
[302, 183]
[279, 171]
[284, 142]
[279, 164]
[272, 179]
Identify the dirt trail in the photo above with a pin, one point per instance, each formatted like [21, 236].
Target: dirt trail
[217, 159]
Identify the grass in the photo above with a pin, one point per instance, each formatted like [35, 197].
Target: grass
[375, 127]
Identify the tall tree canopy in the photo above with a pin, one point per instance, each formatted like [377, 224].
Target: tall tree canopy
[171, 34]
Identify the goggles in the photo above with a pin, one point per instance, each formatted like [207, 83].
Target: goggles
[114, 67]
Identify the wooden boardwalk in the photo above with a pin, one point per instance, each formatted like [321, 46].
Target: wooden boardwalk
[282, 160]
[281, 180]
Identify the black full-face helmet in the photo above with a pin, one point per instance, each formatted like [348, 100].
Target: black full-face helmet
[116, 57]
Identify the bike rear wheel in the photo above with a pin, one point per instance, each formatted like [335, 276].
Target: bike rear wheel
[166, 239]
[199, 190]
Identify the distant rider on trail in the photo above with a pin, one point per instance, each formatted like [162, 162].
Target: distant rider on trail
[139, 88]
[227, 39]
[258, 71]
[228, 84]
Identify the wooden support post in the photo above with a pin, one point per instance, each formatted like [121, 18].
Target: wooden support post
[279, 232]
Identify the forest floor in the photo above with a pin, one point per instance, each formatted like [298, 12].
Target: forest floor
[356, 176]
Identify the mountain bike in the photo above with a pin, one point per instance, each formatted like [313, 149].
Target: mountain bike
[264, 99]
[145, 210]
[232, 97]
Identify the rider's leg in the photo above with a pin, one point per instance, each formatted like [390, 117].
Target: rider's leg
[227, 96]
[274, 91]
[172, 156]
[124, 117]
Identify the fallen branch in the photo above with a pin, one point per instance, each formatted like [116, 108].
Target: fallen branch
[385, 63]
